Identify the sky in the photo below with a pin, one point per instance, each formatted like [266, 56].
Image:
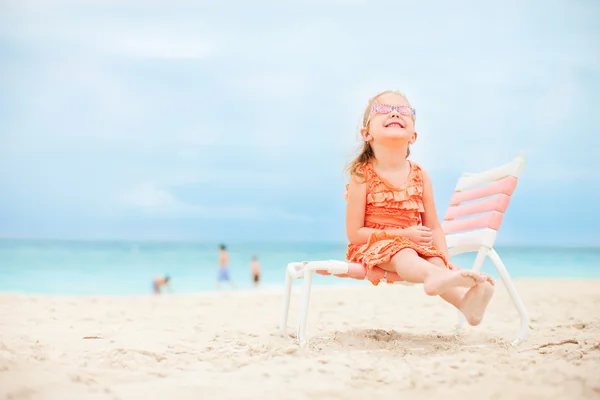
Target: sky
[233, 121]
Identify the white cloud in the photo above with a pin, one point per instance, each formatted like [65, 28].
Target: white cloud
[241, 178]
[187, 4]
[274, 86]
[556, 107]
[159, 46]
[150, 199]
[100, 36]
[148, 196]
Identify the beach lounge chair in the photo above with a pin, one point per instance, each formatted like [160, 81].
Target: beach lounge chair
[470, 224]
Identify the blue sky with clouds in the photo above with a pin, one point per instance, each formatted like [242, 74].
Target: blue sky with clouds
[233, 120]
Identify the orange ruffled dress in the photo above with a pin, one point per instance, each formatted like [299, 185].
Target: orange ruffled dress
[388, 208]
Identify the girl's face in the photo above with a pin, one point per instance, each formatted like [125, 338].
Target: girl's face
[391, 118]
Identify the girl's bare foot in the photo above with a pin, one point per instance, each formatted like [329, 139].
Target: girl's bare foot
[489, 279]
[475, 302]
[437, 284]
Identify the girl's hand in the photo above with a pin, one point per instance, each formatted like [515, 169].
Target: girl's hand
[420, 235]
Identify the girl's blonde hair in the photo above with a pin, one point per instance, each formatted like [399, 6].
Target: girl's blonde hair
[366, 152]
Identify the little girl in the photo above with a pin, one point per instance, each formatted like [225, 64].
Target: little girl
[391, 220]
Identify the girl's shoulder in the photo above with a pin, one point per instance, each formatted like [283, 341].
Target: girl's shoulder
[418, 170]
[417, 175]
[362, 177]
[416, 166]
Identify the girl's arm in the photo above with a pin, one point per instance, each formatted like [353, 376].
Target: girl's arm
[355, 213]
[430, 218]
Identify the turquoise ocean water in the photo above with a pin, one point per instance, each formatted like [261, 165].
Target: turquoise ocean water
[127, 267]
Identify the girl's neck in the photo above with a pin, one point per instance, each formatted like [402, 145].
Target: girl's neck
[390, 157]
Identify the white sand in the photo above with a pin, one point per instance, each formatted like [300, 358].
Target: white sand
[381, 342]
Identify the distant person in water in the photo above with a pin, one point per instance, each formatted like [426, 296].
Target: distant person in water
[255, 270]
[223, 274]
[159, 282]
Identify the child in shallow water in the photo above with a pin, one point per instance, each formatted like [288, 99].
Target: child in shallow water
[159, 282]
[255, 270]
[391, 220]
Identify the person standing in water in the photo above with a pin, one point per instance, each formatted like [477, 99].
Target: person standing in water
[255, 270]
[223, 274]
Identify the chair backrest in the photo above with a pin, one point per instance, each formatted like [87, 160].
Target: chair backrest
[479, 203]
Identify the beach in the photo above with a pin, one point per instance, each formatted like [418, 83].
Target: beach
[385, 341]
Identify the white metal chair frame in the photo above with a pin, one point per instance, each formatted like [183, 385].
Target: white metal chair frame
[480, 241]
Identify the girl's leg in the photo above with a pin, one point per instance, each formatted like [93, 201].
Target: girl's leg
[455, 295]
[471, 302]
[414, 269]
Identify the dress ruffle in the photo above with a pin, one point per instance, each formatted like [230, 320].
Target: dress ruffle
[382, 246]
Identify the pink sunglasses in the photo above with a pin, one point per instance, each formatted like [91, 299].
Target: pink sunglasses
[386, 109]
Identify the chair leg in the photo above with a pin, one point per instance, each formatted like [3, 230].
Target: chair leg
[523, 332]
[285, 307]
[461, 323]
[481, 255]
[306, 287]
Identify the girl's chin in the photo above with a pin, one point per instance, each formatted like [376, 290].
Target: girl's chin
[396, 137]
